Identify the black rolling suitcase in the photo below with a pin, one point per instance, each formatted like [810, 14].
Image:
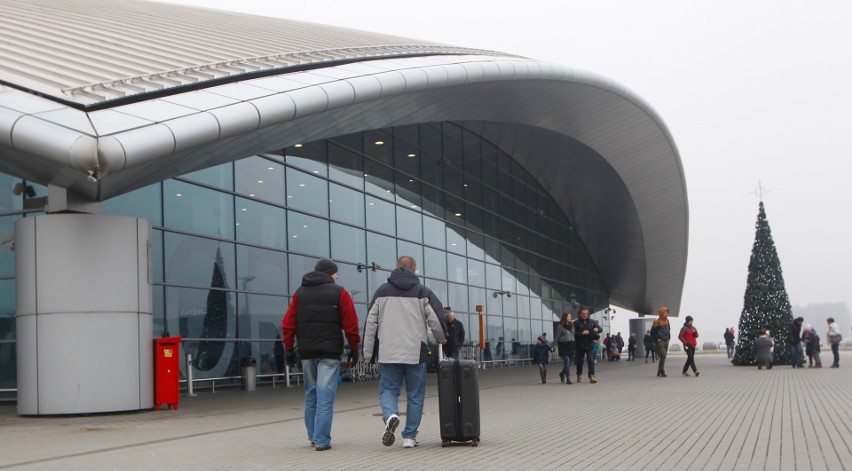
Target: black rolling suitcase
[458, 401]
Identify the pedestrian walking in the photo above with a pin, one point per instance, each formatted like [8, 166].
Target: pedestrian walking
[764, 346]
[586, 335]
[400, 312]
[565, 345]
[661, 332]
[631, 347]
[650, 349]
[729, 342]
[541, 357]
[319, 310]
[834, 338]
[689, 336]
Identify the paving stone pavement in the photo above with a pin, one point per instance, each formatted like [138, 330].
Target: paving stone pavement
[728, 418]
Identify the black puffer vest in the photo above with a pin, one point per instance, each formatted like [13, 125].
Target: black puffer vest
[318, 326]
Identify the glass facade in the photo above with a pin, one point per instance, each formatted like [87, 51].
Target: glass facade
[233, 241]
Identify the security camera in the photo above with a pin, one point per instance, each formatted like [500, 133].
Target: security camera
[94, 176]
[508, 294]
[494, 294]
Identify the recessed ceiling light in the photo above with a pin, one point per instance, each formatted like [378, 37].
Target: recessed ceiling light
[366, 175]
[410, 180]
[372, 204]
[458, 214]
[465, 185]
[289, 196]
[316, 171]
[301, 184]
[305, 226]
[453, 244]
[270, 168]
[412, 155]
[378, 143]
[179, 194]
[251, 194]
[245, 209]
[298, 145]
[260, 181]
[295, 236]
[238, 224]
[414, 206]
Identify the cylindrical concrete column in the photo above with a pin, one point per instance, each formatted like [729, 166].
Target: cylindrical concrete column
[640, 327]
[84, 317]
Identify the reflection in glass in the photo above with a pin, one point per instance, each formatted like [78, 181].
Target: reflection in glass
[382, 250]
[261, 224]
[409, 225]
[200, 314]
[308, 235]
[354, 281]
[220, 176]
[381, 216]
[347, 205]
[345, 165]
[262, 271]
[455, 240]
[195, 261]
[260, 178]
[307, 192]
[456, 268]
[435, 263]
[348, 243]
[195, 209]
[434, 232]
[299, 265]
[260, 318]
[310, 156]
[8, 358]
[458, 298]
[142, 203]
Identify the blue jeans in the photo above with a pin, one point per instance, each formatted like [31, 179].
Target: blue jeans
[320, 389]
[730, 351]
[835, 350]
[566, 366]
[390, 384]
[796, 354]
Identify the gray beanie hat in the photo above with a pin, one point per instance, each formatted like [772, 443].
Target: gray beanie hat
[326, 266]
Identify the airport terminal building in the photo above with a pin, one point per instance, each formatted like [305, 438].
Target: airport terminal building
[175, 170]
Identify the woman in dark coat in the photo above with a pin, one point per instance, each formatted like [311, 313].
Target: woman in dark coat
[565, 345]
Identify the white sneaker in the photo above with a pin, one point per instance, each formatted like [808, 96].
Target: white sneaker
[390, 427]
[409, 442]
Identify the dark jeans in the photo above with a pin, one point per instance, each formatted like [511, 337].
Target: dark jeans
[835, 350]
[796, 355]
[650, 351]
[590, 356]
[690, 359]
[566, 365]
[630, 356]
[731, 351]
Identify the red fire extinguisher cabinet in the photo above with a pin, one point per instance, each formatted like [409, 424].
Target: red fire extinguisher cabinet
[166, 372]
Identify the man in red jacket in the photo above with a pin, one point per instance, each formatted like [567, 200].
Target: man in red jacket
[319, 310]
[688, 336]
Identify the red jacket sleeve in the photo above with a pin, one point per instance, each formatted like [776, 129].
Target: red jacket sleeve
[349, 320]
[288, 325]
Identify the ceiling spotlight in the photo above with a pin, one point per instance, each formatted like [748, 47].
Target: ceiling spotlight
[378, 143]
[412, 155]
[298, 145]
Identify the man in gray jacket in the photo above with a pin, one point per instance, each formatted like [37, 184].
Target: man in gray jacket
[395, 336]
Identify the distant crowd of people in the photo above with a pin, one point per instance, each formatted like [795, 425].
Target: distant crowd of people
[803, 340]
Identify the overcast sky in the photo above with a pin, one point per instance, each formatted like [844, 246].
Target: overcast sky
[757, 91]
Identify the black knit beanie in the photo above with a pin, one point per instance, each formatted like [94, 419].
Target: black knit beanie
[326, 266]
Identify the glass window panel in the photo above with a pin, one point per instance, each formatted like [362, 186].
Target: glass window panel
[510, 333]
[407, 191]
[454, 180]
[522, 304]
[261, 224]
[220, 176]
[409, 224]
[405, 150]
[475, 272]
[345, 165]
[432, 169]
[508, 280]
[378, 144]
[433, 201]
[195, 261]
[492, 250]
[382, 250]
[431, 138]
[489, 163]
[477, 297]
[434, 232]
[439, 288]
[455, 209]
[310, 157]
[347, 205]
[523, 283]
[348, 243]
[7, 244]
[298, 266]
[378, 179]
[452, 137]
[308, 235]
[381, 216]
[205, 314]
[493, 303]
[8, 354]
[455, 239]
[260, 315]
[493, 277]
[354, 281]
[458, 298]
[158, 309]
[494, 333]
[260, 178]
[143, 203]
[535, 308]
[307, 192]
[456, 268]
[262, 271]
[412, 250]
[475, 244]
[435, 263]
[195, 209]
[472, 155]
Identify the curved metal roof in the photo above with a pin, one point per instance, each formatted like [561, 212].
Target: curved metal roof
[602, 153]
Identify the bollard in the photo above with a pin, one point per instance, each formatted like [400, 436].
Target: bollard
[190, 388]
[249, 374]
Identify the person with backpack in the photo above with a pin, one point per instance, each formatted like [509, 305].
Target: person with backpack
[661, 331]
[688, 335]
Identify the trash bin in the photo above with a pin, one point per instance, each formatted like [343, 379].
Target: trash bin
[248, 371]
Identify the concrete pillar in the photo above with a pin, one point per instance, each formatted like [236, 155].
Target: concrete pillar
[84, 316]
[640, 327]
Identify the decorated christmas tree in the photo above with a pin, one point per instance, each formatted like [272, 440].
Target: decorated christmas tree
[766, 306]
